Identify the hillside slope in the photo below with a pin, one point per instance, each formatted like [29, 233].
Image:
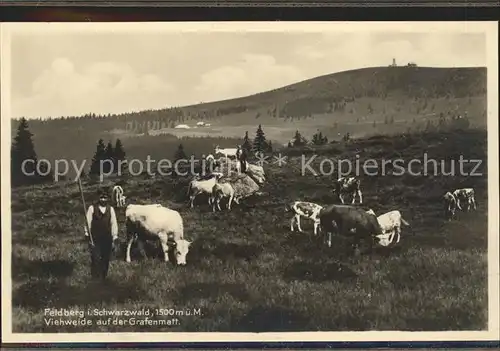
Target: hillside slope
[318, 94]
[409, 82]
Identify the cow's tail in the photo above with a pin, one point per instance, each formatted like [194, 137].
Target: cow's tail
[405, 222]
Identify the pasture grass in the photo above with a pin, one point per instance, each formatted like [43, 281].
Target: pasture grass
[247, 272]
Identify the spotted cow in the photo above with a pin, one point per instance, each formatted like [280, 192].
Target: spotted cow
[303, 209]
[348, 186]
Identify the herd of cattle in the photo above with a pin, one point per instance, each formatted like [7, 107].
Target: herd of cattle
[147, 222]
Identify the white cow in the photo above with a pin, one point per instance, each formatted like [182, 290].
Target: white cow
[118, 197]
[197, 187]
[467, 196]
[219, 191]
[230, 153]
[145, 222]
[450, 203]
[390, 223]
[304, 209]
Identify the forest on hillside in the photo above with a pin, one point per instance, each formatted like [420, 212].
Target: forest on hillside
[332, 93]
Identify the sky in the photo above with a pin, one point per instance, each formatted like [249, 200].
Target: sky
[57, 74]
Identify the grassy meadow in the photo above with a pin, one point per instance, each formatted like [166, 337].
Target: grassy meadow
[247, 272]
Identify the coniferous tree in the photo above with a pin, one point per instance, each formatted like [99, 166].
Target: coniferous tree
[260, 143]
[269, 146]
[298, 139]
[119, 154]
[347, 137]
[22, 150]
[100, 154]
[180, 154]
[246, 144]
[319, 139]
[315, 138]
[110, 158]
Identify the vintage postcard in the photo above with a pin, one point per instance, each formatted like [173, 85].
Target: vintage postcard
[249, 181]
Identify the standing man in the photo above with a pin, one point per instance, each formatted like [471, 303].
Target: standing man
[238, 152]
[101, 219]
[243, 160]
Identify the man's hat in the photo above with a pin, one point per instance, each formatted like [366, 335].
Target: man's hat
[102, 193]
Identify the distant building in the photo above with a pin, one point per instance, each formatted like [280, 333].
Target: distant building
[412, 64]
[182, 126]
[200, 124]
[393, 64]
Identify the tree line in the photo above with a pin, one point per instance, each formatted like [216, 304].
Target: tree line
[32, 172]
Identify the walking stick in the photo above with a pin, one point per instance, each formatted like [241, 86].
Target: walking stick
[85, 212]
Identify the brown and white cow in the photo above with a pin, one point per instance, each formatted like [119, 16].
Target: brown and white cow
[220, 191]
[467, 196]
[348, 186]
[450, 205]
[306, 210]
[350, 221]
[205, 186]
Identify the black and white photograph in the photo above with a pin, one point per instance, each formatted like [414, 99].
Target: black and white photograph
[249, 181]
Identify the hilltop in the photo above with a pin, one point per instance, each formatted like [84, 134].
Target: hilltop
[334, 92]
[373, 82]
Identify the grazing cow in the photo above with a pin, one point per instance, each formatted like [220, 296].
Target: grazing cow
[230, 153]
[118, 197]
[390, 223]
[450, 205]
[146, 222]
[219, 191]
[348, 185]
[350, 221]
[304, 209]
[197, 187]
[465, 195]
